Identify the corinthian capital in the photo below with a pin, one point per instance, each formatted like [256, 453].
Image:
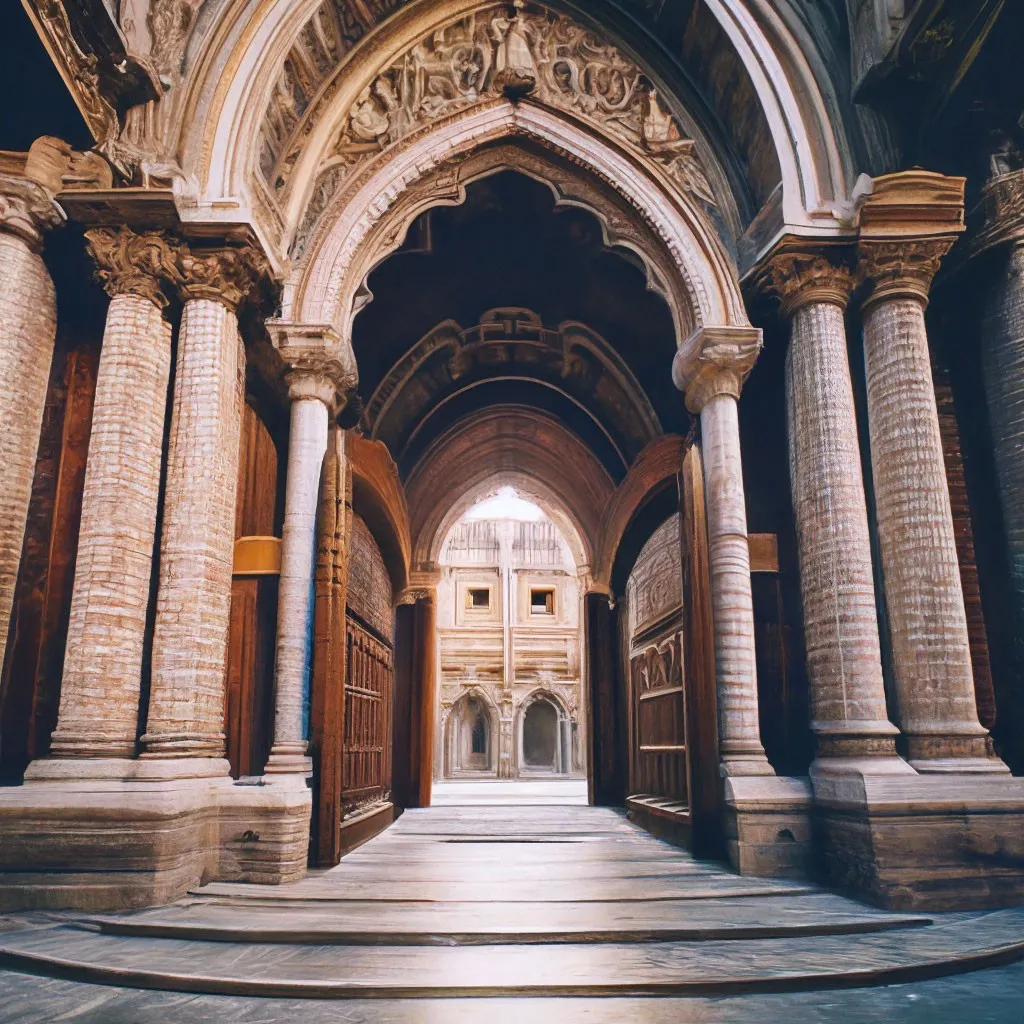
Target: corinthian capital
[27, 209]
[1002, 200]
[225, 274]
[317, 363]
[130, 263]
[901, 269]
[715, 361]
[908, 222]
[798, 278]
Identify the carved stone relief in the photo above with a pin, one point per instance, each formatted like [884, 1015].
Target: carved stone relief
[655, 586]
[505, 51]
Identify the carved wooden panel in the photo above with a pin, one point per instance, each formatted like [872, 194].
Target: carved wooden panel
[366, 775]
[656, 699]
[369, 585]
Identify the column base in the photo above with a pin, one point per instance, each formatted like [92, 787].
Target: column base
[854, 739]
[125, 834]
[768, 825]
[941, 752]
[739, 764]
[919, 842]
[289, 759]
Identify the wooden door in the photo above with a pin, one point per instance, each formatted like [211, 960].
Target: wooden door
[369, 691]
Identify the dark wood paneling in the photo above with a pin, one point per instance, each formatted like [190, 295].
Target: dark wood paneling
[366, 775]
[30, 684]
[327, 713]
[699, 661]
[607, 738]
[404, 789]
[249, 696]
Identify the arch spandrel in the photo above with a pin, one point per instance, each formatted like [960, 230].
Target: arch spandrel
[234, 69]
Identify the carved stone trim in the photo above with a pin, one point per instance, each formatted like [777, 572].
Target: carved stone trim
[800, 278]
[1002, 199]
[319, 364]
[901, 269]
[27, 209]
[225, 275]
[506, 50]
[134, 264]
[715, 361]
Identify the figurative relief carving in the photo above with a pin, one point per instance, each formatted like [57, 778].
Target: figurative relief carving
[514, 52]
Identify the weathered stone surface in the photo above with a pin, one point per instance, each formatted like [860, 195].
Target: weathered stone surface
[103, 666]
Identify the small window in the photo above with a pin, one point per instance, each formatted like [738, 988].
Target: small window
[478, 597]
[542, 601]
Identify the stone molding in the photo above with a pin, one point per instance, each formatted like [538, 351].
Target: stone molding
[1002, 200]
[798, 279]
[715, 361]
[130, 263]
[225, 275]
[318, 364]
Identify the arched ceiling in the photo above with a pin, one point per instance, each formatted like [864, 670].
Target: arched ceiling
[507, 299]
[524, 447]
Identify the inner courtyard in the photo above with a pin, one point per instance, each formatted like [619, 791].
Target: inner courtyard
[512, 507]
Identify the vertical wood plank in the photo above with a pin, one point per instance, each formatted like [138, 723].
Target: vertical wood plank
[699, 661]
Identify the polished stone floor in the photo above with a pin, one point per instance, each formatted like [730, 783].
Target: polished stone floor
[507, 912]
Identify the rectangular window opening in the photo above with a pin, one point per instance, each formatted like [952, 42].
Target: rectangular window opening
[478, 597]
[542, 601]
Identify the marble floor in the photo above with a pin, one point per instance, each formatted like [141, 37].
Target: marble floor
[509, 912]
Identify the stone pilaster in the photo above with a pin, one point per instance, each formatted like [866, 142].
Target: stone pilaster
[320, 373]
[28, 323]
[900, 251]
[710, 367]
[99, 701]
[848, 713]
[186, 702]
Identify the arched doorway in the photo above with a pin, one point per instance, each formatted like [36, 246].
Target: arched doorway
[469, 738]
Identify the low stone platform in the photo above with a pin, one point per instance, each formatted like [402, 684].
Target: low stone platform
[510, 901]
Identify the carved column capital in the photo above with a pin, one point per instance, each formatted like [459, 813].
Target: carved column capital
[799, 278]
[317, 363]
[908, 222]
[225, 274]
[130, 263]
[715, 361]
[27, 209]
[901, 269]
[1002, 201]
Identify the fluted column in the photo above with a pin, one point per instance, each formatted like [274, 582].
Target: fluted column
[844, 663]
[186, 700]
[320, 373]
[710, 367]
[28, 323]
[99, 700]
[931, 650]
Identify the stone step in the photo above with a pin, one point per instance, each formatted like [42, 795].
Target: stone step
[373, 923]
[960, 942]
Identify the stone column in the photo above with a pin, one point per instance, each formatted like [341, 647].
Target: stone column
[931, 650]
[320, 371]
[186, 700]
[1001, 246]
[710, 367]
[99, 699]
[28, 323]
[848, 712]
